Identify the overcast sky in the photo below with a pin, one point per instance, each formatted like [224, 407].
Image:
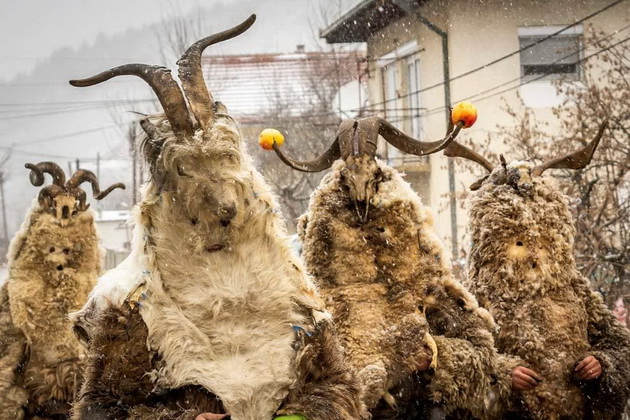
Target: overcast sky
[32, 29]
[44, 43]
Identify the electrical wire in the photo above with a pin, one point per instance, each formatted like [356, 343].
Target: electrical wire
[498, 60]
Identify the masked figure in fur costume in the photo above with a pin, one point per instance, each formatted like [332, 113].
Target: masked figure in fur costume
[211, 313]
[370, 244]
[522, 270]
[54, 261]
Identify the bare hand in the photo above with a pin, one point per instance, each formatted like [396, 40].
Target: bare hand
[524, 379]
[589, 368]
[211, 416]
[424, 361]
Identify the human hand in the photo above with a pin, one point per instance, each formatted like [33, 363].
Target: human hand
[589, 368]
[524, 379]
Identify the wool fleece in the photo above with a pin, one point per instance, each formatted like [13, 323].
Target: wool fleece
[53, 265]
[522, 270]
[386, 278]
[211, 312]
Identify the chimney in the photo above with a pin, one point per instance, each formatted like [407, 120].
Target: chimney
[299, 49]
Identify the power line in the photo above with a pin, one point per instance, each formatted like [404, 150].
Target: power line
[429, 112]
[73, 134]
[485, 66]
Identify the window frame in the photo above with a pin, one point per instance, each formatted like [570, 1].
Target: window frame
[533, 33]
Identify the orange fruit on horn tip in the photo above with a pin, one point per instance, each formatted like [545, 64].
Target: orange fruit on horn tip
[270, 136]
[464, 112]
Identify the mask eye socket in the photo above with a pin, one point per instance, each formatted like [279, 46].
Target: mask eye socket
[181, 172]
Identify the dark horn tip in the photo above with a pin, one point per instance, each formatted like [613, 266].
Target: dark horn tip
[30, 166]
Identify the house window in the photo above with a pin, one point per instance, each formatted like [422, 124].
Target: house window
[413, 84]
[396, 80]
[555, 58]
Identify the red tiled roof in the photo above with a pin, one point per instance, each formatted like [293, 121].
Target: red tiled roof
[260, 83]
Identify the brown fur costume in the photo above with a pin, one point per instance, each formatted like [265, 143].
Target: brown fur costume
[380, 269]
[211, 312]
[522, 270]
[53, 264]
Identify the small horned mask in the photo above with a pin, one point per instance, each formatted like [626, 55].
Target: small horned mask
[520, 177]
[64, 198]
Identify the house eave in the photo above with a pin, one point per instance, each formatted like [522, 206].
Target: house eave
[363, 20]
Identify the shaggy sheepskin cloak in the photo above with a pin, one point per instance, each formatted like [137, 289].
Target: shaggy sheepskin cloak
[380, 276]
[182, 327]
[522, 270]
[53, 265]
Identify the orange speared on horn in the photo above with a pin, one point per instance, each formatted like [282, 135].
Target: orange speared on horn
[270, 136]
[464, 112]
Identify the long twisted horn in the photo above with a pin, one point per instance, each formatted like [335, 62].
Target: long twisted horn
[162, 83]
[575, 160]
[83, 175]
[191, 75]
[454, 149]
[37, 173]
[318, 164]
[412, 146]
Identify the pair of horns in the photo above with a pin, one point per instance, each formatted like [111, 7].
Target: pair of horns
[168, 91]
[576, 160]
[357, 137]
[60, 185]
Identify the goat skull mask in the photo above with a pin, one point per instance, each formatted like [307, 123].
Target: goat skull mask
[64, 199]
[196, 159]
[355, 143]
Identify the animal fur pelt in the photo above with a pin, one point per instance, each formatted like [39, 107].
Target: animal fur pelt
[381, 269]
[522, 270]
[53, 265]
[208, 304]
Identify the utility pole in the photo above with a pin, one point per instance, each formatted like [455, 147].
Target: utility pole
[69, 168]
[131, 136]
[4, 211]
[98, 176]
[77, 164]
[409, 7]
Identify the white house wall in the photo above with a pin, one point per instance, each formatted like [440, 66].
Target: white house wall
[479, 32]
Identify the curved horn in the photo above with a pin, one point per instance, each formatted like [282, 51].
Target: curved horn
[109, 189]
[162, 83]
[319, 164]
[50, 191]
[83, 175]
[410, 145]
[191, 75]
[37, 173]
[454, 149]
[575, 160]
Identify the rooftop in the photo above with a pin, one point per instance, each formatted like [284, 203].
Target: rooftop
[256, 83]
[364, 19]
